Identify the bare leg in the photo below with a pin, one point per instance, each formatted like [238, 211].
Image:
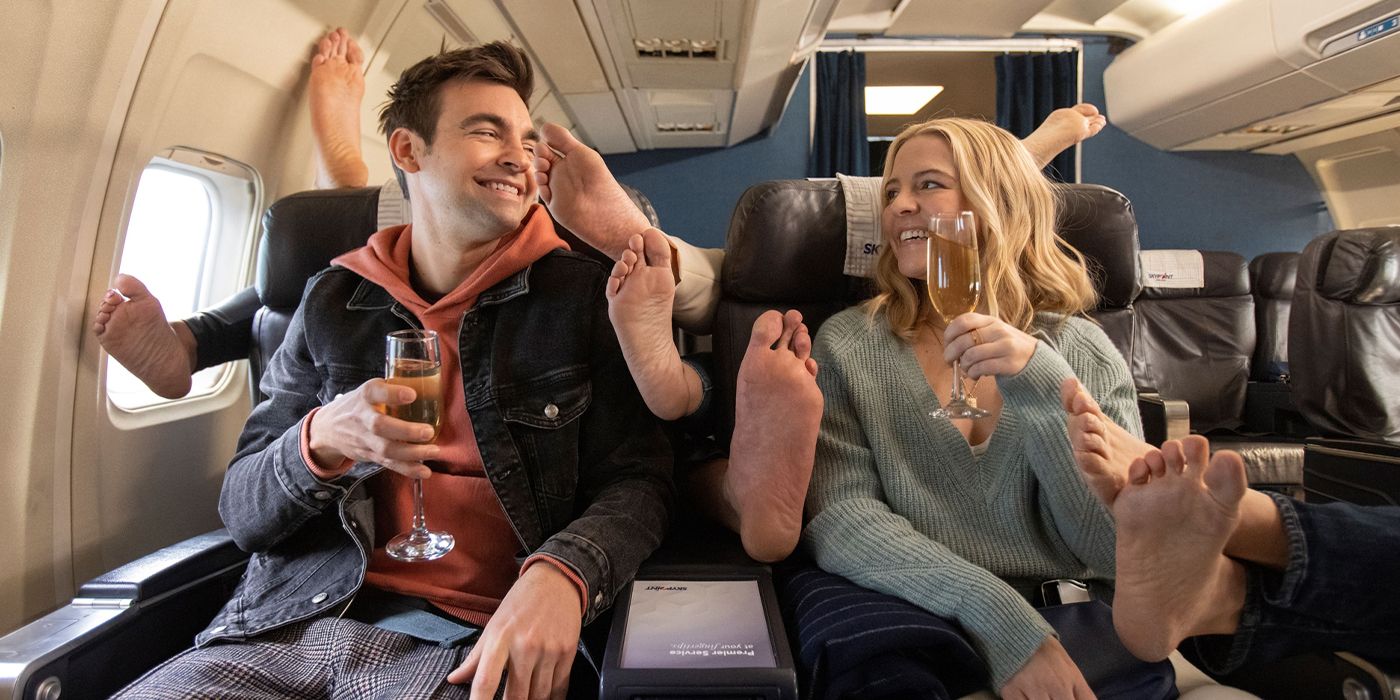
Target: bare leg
[1174, 517]
[1104, 451]
[640, 294]
[777, 414]
[1064, 128]
[336, 88]
[131, 326]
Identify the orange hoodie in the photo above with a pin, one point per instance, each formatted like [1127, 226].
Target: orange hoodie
[471, 580]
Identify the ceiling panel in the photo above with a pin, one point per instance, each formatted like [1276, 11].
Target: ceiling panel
[988, 18]
[1087, 11]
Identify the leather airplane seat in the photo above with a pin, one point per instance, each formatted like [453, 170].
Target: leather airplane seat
[1271, 277]
[1196, 344]
[786, 249]
[1344, 334]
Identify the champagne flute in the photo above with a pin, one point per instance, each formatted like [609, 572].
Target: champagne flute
[411, 359]
[954, 287]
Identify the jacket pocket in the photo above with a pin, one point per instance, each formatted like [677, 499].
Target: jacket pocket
[542, 415]
[343, 379]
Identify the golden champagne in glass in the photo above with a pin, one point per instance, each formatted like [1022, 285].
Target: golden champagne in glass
[411, 359]
[954, 288]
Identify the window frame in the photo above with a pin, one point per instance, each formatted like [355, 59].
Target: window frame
[235, 191]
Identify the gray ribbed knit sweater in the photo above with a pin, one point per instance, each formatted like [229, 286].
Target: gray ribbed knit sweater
[899, 504]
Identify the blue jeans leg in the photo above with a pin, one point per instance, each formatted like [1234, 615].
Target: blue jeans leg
[1336, 594]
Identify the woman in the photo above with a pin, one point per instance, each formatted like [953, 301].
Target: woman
[964, 518]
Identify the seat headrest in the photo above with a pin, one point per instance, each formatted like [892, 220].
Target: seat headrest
[1226, 275]
[787, 241]
[302, 232]
[1272, 275]
[1362, 266]
[1099, 222]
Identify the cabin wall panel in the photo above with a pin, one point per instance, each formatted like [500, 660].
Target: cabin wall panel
[694, 190]
[1248, 203]
[67, 71]
[1359, 178]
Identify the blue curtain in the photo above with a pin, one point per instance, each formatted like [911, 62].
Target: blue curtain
[1029, 88]
[839, 144]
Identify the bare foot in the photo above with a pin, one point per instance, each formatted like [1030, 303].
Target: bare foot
[132, 328]
[1174, 517]
[1102, 448]
[582, 194]
[336, 88]
[1064, 127]
[777, 413]
[640, 293]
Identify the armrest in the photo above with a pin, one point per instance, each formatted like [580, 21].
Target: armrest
[122, 623]
[167, 569]
[1355, 471]
[1163, 419]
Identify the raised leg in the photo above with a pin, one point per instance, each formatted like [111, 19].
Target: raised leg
[131, 327]
[1064, 128]
[336, 88]
[1174, 516]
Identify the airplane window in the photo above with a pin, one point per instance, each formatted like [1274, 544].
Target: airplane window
[189, 239]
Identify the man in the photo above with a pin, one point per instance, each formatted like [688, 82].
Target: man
[545, 448]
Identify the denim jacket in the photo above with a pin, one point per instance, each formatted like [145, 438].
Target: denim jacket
[579, 465]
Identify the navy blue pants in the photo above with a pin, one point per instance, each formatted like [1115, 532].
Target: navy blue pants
[1338, 592]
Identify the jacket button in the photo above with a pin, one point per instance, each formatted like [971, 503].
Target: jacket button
[319, 597]
[551, 411]
[321, 495]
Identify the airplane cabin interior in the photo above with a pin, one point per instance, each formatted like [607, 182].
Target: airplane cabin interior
[1238, 217]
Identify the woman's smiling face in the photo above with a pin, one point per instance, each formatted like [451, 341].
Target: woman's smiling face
[923, 182]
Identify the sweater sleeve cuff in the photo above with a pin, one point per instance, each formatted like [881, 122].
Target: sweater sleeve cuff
[1037, 382]
[568, 573]
[1008, 630]
[316, 471]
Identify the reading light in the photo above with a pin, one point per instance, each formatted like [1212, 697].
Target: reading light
[898, 99]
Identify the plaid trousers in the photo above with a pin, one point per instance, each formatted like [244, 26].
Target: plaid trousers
[326, 657]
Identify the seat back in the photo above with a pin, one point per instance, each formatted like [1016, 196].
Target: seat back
[1271, 278]
[1344, 333]
[1195, 344]
[786, 250]
[303, 232]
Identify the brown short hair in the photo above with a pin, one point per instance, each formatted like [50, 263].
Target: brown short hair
[415, 100]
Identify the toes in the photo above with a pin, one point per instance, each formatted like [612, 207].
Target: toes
[353, 54]
[811, 366]
[1174, 456]
[1069, 391]
[129, 286]
[791, 320]
[1140, 471]
[1086, 109]
[766, 330]
[1225, 477]
[802, 342]
[629, 258]
[1196, 450]
[656, 249]
[1156, 462]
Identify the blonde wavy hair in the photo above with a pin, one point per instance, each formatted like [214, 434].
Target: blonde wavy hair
[1026, 266]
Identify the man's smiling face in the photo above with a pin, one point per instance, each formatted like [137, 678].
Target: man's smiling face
[477, 176]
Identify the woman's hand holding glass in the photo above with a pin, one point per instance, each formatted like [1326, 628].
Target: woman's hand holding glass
[987, 346]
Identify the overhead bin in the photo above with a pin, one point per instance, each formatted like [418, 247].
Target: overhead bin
[643, 74]
[1257, 74]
